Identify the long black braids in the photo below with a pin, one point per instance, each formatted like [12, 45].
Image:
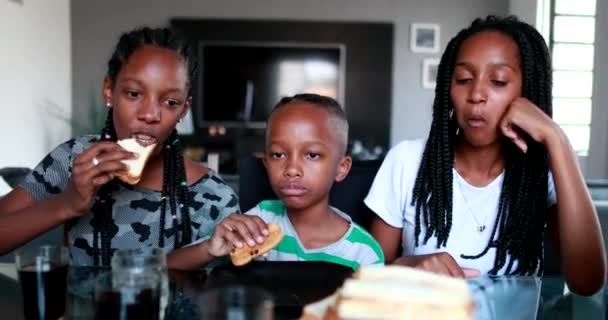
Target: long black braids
[175, 191]
[102, 208]
[522, 208]
[174, 196]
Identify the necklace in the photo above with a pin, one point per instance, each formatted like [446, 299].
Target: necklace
[481, 227]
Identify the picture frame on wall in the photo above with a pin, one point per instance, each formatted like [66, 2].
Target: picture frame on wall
[429, 72]
[424, 38]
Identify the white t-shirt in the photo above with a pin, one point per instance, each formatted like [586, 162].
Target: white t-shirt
[391, 194]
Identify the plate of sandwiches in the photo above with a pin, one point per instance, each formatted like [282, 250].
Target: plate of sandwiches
[395, 293]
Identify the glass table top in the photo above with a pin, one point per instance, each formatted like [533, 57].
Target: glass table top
[502, 297]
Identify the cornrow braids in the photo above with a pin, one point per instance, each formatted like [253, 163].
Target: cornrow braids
[175, 187]
[522, 213]
[161, 37]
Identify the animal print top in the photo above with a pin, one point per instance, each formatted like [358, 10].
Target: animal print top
[136, 211]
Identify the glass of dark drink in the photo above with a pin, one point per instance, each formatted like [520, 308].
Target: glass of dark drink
[125, 305]
[128, 263]
[130, 297]
[43, 277]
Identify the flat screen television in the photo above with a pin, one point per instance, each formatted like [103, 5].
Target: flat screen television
[240, 82]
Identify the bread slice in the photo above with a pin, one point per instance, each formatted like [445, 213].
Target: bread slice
[372, 299]
[411, 276]
[395, 292]
[136, 166]
[244, 255]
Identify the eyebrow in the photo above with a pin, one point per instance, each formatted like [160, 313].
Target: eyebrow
[140, 83]
[307, 144]
[498, 64]
[132, 80]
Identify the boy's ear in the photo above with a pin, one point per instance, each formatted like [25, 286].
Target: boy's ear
[106, 90]
[343, 168]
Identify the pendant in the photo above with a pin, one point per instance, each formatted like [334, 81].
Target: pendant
[481, 228]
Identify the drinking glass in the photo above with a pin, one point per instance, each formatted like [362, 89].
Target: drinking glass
[43, 276]
[131, 297]
[128, 263]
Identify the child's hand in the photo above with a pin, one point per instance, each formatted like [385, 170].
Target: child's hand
[91, 169]
[442, 263]
[526, 116]
[236, 231]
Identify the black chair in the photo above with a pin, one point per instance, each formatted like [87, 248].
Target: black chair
[14, 175]
[347, 195]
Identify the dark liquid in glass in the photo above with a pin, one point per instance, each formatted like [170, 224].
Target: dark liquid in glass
[44, 292]
[113, 305]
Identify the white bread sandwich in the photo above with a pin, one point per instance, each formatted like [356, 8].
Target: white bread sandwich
[135, 166]
[396, 292]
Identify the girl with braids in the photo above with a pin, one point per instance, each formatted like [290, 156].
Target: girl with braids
[177, 201]
[495, 173]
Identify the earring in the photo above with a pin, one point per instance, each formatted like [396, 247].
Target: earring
[108, 104]
[451, 114]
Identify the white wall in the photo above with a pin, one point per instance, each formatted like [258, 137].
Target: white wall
[35, 60]
[525, 10]
[96, 26]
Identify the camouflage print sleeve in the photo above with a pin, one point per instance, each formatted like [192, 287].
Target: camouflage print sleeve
[216, 201]
[52, 174]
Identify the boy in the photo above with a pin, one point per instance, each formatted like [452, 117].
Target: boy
[306, 142]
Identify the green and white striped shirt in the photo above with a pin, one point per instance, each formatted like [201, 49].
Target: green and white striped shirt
[356, 248]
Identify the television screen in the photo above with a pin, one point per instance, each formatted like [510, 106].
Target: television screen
[240, 82]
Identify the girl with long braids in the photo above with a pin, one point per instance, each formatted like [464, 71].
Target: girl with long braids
[495, 172]
[177, 202]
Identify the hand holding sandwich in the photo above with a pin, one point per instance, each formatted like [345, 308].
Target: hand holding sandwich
[93, 168]
[441, 262]
[237, 231]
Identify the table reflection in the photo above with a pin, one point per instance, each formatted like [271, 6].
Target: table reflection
[503, 297]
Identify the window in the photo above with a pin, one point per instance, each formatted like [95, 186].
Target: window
[572, 46]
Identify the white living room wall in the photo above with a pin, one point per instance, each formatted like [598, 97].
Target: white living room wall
[525, 10]
[36, 80]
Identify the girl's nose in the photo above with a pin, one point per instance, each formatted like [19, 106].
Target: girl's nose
[149, 112]
[477, 94]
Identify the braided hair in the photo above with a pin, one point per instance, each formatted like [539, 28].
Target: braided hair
[174, 195]
[522, 213]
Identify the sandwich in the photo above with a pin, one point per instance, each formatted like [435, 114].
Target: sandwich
[245, 254]
[395, 292]
[135, 166]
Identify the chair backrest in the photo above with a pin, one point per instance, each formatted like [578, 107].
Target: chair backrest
[14, 175]
[347, 195]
